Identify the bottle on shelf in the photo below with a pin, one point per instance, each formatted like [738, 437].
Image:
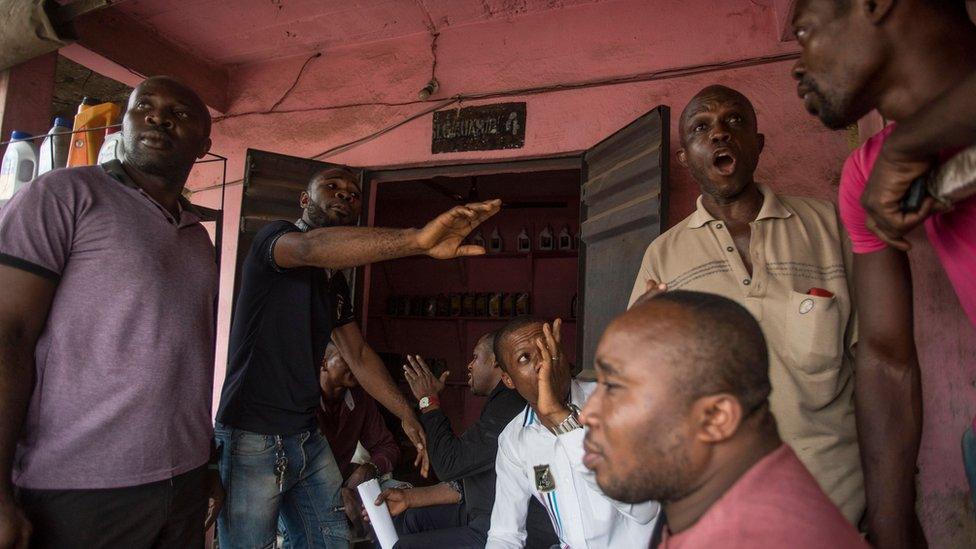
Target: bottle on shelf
[53, 153]
[85, 145]
[546, 239]
[417, 305]
[468, 305]
[481, 304]
[478, 239]
[455, 304]
[112, 146]
[522, 304]
[523, 243]
[443, 305]
[430, 306]
[495, 304]
[495, 242]
[565, 239]
[405, 306]
[19, 165]
[508, 304]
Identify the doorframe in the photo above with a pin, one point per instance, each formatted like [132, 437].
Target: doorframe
[372, 177]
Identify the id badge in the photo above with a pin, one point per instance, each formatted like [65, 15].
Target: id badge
[543, 479]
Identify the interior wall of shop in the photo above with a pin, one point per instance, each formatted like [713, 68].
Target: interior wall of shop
[352, 92]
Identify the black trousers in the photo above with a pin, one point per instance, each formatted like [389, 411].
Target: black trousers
[442, 526]
[437, 526]
[160, 515]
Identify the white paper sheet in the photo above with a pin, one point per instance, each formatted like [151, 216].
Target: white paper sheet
[379, 515]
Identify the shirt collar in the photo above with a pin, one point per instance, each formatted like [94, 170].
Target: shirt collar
[772, 208]
[114, 168]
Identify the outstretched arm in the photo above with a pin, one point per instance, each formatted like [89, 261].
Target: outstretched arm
[344, 247]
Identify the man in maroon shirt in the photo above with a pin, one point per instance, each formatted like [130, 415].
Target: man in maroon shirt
[347, 416]
[681, 415]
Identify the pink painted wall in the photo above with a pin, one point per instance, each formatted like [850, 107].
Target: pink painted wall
[25, 97]
[349, 93]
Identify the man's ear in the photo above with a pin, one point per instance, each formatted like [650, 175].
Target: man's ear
[683, 157]
[718, 417]
[875, 10]
[304, 199]
[507, 380]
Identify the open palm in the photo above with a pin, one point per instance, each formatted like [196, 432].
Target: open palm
[443, 236]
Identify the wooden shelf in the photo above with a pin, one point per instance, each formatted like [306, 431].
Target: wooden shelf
[445, 318]
[455, 318]
[534, 254]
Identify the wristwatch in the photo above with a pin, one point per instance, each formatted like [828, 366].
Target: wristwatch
[571, 423]
[427, 402]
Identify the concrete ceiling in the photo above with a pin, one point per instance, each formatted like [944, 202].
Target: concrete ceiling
[248, 31]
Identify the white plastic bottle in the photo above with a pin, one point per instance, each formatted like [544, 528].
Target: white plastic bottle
[53, 153]
[111, 147]
[19, 165]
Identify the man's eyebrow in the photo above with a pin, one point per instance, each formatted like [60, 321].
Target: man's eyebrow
[606, 367]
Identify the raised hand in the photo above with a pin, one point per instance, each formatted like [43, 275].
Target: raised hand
[442, 237]
[550, 406]
[889, 181]
[423, 382]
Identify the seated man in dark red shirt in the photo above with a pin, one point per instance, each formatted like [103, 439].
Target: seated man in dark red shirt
[347, 416]
[681, 416]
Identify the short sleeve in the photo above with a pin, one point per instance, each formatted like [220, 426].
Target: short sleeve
[341, 300]
[853, 179]
[645, 273]
[262, 249]
[37, 228]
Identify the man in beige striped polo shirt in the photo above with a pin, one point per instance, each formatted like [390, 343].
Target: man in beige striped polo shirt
[787, 261]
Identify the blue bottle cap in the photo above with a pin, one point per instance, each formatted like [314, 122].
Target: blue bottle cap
[16, 135]
[62, 121]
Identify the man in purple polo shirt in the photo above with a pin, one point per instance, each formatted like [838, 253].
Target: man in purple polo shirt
[106, 342]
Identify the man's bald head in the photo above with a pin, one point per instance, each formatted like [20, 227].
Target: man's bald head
[166, 128]
[713, 94]
[682, 376]
[715, 344]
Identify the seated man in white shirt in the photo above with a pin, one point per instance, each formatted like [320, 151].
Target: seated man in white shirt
[540, 452]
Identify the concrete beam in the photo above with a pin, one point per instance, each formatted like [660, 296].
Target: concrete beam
[784, 19]
[26, 91]
[115, 37]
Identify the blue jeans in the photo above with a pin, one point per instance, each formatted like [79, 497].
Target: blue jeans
[254, 504]
[969, 460]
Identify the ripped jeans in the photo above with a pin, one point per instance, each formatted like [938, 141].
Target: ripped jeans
[309, 490]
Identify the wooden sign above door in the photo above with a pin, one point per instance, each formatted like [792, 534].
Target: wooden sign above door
[480, 128]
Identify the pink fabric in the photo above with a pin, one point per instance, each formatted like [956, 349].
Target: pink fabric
[952, 234]
[776, 503]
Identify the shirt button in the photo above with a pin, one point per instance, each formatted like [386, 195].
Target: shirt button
[747, 282]
[719, 226]
[730, 249]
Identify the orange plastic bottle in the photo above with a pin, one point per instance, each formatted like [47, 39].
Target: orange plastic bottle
[86, 144]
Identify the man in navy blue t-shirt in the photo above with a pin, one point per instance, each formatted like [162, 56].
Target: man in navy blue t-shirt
[294, 300]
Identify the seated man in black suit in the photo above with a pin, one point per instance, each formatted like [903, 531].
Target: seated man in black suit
[457, 512]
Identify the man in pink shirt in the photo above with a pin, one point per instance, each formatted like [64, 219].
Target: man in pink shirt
[903, 58]
[681, 415]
